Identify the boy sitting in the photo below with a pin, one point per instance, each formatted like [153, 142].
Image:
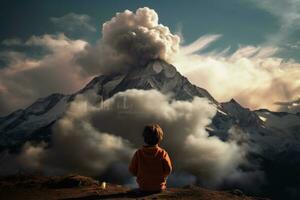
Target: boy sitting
[151, 164]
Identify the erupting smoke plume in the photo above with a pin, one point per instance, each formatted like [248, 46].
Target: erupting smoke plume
[130, 40]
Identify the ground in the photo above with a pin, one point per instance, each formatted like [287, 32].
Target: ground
[75, 187]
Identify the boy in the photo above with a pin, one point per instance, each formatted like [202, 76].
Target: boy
[151, 164]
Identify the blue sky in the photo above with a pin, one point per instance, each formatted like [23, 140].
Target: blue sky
[241, 22]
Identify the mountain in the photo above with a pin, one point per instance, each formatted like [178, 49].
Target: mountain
[34, 123]
[275, 134]
[283, 130]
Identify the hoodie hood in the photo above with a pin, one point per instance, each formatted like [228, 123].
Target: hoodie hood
[150, 151]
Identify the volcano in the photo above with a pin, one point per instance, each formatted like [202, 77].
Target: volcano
[34, 122]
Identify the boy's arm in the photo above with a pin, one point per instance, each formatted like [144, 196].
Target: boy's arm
[167, 165]
[133, 166]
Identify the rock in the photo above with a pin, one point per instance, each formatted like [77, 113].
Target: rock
[71, 182]
[237, 192]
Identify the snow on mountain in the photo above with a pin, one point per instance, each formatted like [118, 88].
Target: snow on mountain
[284, 130]
[18, 126]
[244, 116]
[282, 122]
[163, 77]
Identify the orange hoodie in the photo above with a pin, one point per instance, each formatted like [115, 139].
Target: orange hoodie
[151, 165]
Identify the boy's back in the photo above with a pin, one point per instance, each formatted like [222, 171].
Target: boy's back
[151, 165]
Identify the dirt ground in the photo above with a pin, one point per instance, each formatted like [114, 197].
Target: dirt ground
[77, 187]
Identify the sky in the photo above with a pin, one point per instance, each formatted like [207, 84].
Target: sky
[35, 33]
[241, 22]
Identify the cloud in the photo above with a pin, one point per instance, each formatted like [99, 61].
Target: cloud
[288, 14]
[294, 45]
[200, 43]
[73, 22]
[95, 138]
[25, 79]
[253, 76]
[12, 42]
[290, 106]
[130, 40]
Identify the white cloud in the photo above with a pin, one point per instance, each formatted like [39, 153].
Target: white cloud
[290, 106]
[288, 14]
[25, 79]
[295, 45]
[12, 42]
[199, 44]
[73, 22]
[252, 75]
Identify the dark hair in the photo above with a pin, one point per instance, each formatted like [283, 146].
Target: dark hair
[153, 134]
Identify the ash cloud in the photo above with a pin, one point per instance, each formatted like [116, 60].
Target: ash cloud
[129, 40]
[99, 139]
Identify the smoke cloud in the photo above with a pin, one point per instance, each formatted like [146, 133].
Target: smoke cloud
[130, 40]
[93, 138]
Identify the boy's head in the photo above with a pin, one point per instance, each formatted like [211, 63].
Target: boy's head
[153, 134]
